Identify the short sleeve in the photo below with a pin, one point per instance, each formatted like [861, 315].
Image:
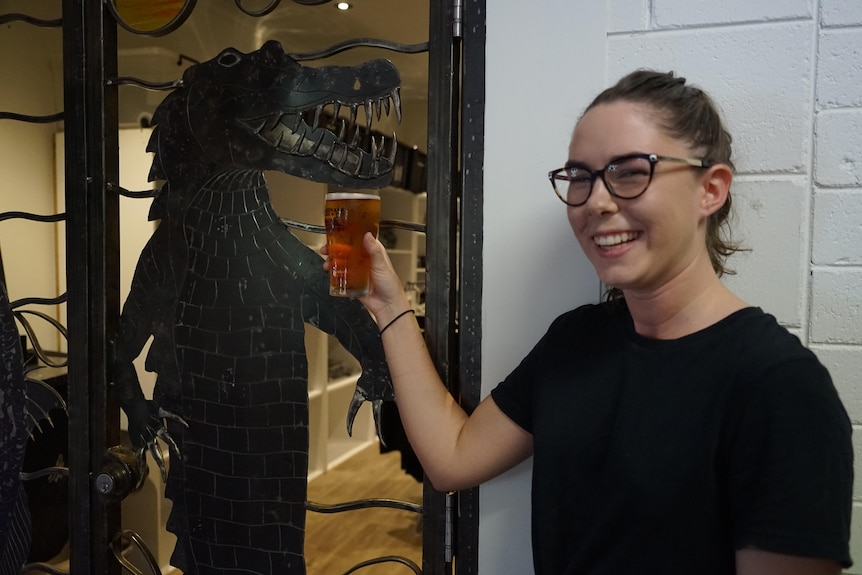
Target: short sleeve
[790, 467]
[514, 395]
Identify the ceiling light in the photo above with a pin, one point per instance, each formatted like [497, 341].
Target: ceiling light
[343, 6]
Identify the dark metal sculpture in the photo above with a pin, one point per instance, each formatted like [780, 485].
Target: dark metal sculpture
[224, 288]
[23, 404]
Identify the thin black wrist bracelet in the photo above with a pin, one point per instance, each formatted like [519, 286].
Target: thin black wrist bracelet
[396, 318]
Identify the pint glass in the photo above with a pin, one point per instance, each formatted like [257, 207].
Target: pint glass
[348, 216]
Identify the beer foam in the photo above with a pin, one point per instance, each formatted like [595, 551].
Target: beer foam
[351, 196]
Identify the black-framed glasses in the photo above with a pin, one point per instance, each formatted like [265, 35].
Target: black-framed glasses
[626, 177]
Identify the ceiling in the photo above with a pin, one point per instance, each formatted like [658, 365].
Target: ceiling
[218, 24]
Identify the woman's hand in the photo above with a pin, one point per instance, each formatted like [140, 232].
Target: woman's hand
[386, 298]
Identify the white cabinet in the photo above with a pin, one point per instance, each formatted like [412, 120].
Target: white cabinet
[332, 376]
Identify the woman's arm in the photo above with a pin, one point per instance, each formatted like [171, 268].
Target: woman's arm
[457, 451]
[757, 562]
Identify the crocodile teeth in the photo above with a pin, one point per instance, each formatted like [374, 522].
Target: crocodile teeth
[317, 144]
[394, 148]
[298, 143]
[317, 111]
[343, 161]
[396, 99]
[258, 127]
[276, 119]
[368, 116]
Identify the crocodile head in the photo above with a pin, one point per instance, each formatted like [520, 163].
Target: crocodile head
[265, 111]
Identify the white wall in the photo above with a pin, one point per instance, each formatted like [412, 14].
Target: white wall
[788, 77]
[27, 86]
[545, 61]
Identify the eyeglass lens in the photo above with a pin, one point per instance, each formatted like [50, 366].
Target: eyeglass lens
[626, 178]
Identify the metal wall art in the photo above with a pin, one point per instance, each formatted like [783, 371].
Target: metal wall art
[224, 288]
[24, 404]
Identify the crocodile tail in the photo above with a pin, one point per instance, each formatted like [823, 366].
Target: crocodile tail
[16, 546]
[14, 533]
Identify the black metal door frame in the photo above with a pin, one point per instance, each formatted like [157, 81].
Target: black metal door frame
[92, 269]
[472, 155]
[456, 109]
[454, 271]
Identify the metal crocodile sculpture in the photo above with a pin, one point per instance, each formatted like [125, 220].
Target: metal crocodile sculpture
[23, 404]
[224, 289]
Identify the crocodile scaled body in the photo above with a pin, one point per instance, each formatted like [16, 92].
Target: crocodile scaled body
[24, 404]
[225, 290]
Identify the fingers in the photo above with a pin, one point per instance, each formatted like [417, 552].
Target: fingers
[372, 245]
[381, 267]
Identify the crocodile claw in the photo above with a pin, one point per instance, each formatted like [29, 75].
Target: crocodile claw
[156, 428]
[353, 409]
[376, 410]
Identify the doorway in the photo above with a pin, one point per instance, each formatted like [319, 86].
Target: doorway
[93, 117]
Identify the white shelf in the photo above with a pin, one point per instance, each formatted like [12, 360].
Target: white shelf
[346, 381]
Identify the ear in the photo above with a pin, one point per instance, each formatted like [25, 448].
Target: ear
[716, 187]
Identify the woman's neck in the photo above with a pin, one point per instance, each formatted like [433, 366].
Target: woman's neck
[691, 302]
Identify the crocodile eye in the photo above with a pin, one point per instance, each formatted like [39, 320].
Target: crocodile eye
[229, 59]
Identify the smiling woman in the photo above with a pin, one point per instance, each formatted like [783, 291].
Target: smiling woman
[674, 428]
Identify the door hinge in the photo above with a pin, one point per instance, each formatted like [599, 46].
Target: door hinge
[457, 18]
[448, 529]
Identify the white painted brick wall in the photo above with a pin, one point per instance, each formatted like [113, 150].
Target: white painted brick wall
[788, 77]
[770, 276]
[841, 12]
[627, 15]
[838, 228]
[770, 120]
[839, 67]
[836, 306]
[838, 157]
[682, 13]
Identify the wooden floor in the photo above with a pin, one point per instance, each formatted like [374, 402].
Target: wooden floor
[335, 543]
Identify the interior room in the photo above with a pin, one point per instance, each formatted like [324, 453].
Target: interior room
[341, 467]
[491, 105]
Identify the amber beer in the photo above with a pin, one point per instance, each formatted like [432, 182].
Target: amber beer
[348, 216]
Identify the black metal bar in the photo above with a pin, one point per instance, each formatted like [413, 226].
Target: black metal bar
[360, 43]
[440, 326]
[470, 272]
[92, 264]
[50, 119]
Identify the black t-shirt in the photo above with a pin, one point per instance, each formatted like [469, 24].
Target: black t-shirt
[666, 456]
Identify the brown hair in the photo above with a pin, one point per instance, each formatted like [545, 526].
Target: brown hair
[686, 112]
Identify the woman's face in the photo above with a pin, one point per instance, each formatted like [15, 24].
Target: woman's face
[638, 244]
